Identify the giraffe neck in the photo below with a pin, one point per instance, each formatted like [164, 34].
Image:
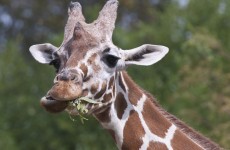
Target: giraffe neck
[136, 121]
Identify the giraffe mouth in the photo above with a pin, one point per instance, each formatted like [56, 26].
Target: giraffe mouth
[60, 95]
[82, 106]
[52, 105]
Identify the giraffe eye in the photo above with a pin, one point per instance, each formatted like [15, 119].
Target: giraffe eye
[110, 60]
[56, 64]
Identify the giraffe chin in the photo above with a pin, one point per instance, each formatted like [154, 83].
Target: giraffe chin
[53, 106]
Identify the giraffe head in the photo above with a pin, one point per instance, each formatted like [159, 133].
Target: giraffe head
[87, 60]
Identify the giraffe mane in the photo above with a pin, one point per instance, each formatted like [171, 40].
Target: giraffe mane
[203, 141]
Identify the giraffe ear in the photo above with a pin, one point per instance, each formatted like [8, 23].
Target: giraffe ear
[145, 55]
[43, 53]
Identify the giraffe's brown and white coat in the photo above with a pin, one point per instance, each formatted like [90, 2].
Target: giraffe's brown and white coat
[89, 64]
[142, 125]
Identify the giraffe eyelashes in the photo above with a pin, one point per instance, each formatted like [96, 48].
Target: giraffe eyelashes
[110, 60]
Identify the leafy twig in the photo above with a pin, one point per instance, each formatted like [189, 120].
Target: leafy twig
[80, 105]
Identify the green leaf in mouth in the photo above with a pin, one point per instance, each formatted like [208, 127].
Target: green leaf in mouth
[80, 105]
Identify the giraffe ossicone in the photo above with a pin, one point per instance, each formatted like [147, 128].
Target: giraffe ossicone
[89, 65]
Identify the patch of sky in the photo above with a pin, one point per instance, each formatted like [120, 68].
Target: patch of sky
[222, 7]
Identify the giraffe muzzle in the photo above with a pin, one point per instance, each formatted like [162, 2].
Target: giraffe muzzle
[64, 90]
[60, 95]
[67, 86]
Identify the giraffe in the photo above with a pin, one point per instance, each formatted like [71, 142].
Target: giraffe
[88, 64]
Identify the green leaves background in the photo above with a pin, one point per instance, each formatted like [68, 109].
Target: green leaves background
[191, 82]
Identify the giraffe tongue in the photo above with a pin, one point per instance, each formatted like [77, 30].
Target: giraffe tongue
[52, 105]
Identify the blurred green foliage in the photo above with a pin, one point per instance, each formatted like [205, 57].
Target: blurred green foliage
[191, 82]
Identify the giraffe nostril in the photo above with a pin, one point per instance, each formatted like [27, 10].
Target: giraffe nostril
[67, 76]
[73, 77]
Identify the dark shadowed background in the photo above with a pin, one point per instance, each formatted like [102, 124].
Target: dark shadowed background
[191, 82]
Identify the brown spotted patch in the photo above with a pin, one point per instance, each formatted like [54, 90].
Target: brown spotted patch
[133, 132]
[134, 92]
[85, 92]
[107, 97]
[120, 105]
[94, 88]
[75, 57]
[180, 141]
[155, 120]
[111, 82]
[84, 69]
[121, 84]
[104, 116]
[100, 93]
[92, 59]
[192, 134]
[114, 89]
[157, 146]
